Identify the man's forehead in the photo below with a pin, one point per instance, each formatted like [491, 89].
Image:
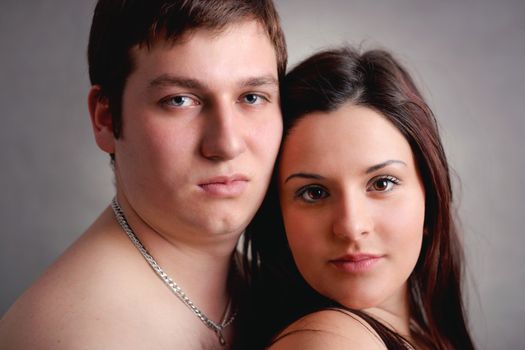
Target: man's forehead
[206, 62]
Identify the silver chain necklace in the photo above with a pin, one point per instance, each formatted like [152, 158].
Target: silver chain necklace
[217, 328]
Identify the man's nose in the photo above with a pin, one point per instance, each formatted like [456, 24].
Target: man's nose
[223, 133]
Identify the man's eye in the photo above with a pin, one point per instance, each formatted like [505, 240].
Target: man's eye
[312, 194]
[383, 184]
[180, 101]
[253, 99]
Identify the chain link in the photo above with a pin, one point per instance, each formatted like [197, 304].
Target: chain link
[217, 328]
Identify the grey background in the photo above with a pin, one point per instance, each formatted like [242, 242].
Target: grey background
[467, 57]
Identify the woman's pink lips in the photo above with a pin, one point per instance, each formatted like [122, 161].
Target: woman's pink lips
[225, 186]
[356, 263]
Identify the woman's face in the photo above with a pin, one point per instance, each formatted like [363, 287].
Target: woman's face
[353, 205]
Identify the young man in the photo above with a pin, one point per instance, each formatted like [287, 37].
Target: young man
[185, 99]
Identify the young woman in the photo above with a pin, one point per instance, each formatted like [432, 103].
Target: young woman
[367, 255]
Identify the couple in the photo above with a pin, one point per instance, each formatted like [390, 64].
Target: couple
[186, 101]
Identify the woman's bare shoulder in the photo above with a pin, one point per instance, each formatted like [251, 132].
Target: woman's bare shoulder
[328, 329]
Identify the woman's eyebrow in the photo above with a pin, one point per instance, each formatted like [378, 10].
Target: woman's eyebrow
[371, 169]
[384, 164]
[304, 176]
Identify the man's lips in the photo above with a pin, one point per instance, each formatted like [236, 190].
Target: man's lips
[224, 186]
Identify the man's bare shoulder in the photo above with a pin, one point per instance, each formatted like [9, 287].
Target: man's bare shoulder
[328, 329]
[81, 299]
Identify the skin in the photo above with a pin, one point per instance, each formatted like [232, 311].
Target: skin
[349, 185]
[194, 113]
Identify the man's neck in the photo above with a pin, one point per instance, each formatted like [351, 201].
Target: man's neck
[200, 267]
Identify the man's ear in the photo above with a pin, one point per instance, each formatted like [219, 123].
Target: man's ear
[101, 119]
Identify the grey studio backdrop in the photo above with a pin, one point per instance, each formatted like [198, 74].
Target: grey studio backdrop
[467, 57]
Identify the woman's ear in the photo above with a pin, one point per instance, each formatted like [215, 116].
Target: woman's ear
[101, 119]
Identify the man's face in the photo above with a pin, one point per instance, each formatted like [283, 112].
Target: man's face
[201, 130]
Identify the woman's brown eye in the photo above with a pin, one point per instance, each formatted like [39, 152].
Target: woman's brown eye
[381, 184]
[315, 193]
[312, 193]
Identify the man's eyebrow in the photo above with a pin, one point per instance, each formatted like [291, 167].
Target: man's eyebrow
[189, 83]
[173, 80]
[384, 164]
[254, 82]
[304, 176]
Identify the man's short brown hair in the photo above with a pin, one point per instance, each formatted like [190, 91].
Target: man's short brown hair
[119, 25]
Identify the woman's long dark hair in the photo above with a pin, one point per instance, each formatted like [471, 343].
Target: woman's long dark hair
[374, 79]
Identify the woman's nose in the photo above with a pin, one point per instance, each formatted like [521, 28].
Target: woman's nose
[352, 219]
